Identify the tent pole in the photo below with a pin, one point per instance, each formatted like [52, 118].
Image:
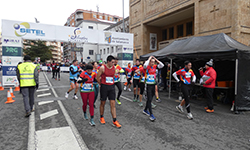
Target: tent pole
[170, 78]
[236, 75]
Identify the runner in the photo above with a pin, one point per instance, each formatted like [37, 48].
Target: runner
[107, 72]
[128, 72]
[95, 84]
[136, 77]
[185, 78]
[73, 73]
[117, 81]
[150, 76]
[142, 84]
[58, 71]
[53, 69]
[87, 92]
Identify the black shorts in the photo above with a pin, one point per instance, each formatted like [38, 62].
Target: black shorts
[73, 81]
[136, 83]
[128, 80]
[142, 87]
[107, 91]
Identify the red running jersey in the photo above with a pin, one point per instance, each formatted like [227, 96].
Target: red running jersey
[107, 77]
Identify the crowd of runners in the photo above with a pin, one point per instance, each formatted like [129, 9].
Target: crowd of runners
[105, 77]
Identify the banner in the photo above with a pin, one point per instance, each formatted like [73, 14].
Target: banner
[9, 70]
[125, 56]
[11, 61]
[9, 80]
[116, 38]
[12, 51]
[10, 41]
[77, 49]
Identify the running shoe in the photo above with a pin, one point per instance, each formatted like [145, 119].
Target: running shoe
[152, 117]
[146, 112]
[125, 88]
[117, 124]
[118, 102]
[55, 78]
[92, 123]
[129, 89]
[66, 95]
[138, 100]
[209, 111]
[86, 116]
[140, 104]
[58, 79]
[102, 120]
[190, 116]
[180, 109]
[135, 100]
[205, 108]
[75, 97]
[153, 105]
[27, 114]
[158, 100]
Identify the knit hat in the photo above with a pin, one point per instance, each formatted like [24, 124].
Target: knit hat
[89, 67]
[210, 63]
[27, 57]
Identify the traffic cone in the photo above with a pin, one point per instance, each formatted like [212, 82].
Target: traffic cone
[9, 98]
[17, 88]
[11, 92]
[1, 88]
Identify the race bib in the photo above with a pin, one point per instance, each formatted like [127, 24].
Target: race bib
[87, 86]
[188, 75]
[109, 80]
[150, 79]
[142, 79]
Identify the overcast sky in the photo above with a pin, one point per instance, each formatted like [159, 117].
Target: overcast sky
[56, 12]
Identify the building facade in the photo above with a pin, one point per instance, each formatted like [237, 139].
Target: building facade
[56, 52]
[118, 27]
[1, 46]
[156, 23]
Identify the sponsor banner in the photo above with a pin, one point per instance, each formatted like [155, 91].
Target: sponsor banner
[125, 56]
[115, 38]
[11, 61]
[9, 80]
[12, 51]
[77, 49]
[124, 63]
[9, 70]
[128, 49]
[10, 41]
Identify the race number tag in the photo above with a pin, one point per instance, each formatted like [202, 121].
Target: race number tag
[188, 75]
[87, 86]
[109, 80]
[150, 79]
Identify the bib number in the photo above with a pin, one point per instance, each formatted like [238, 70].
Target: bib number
[109, 80]
[188, 75]
[150, 79]
[87, 86]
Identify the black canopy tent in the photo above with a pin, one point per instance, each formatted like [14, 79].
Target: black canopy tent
[219, 47]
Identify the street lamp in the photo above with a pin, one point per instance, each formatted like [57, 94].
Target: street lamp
[123, 16]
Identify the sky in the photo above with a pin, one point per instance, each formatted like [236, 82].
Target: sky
[56, 12]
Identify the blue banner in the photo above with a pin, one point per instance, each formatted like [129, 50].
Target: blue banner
[9, 70]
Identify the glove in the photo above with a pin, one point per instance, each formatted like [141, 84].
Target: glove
[37, 86]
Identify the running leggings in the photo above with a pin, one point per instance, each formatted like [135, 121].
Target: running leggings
[150, 94]
[96, 90]
[119, 86]
[85, 97]
[185, 89]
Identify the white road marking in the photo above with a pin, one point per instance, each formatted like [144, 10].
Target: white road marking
[48, 114]
[56, 138]
[43, 83]
[45, 102]
[126, 98]
[31, 135]
[68, 119]
[40, 90]
[45, 94]
[43, 86]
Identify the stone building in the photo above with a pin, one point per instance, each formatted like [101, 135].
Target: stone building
[156, 23]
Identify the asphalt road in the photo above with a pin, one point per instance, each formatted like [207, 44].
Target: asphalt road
[171, 130]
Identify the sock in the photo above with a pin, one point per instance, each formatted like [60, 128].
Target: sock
[157, 98]
[137, 96]
[180, 106]
[75, 94]
[114, 119]
[92, 117]
[101, 116]
[134, 95]
[68, 92]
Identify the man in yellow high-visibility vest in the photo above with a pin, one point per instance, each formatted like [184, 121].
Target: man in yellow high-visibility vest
[27, 75]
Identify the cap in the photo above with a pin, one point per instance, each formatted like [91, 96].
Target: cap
[210, 63]
[26, 57]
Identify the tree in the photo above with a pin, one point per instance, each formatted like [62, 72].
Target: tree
[38, 49]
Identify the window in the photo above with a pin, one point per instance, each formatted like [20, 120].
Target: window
[116, 48]
[72, 17]
[104, 51]
[164, 34]
[189, 28]
[100, 17]
[100, 51]
[91, 27]
[180, 30]
[107, 50]
[112, 49]
[106, 17]
[171, 33]
[91, 52]
[110, 18]
[94, 16]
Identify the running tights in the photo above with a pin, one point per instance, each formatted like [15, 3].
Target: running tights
[150, 94]
[85, 97]
[96, 90]
[185, 91]
[119, 86]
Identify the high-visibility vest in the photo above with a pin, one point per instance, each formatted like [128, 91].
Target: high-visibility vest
[26, 71]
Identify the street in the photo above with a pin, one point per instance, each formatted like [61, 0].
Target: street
[58, 121]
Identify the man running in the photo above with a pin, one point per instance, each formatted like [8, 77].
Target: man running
[73, 73]
[87, 92]
[95, 84]
[117, 81]
[185, 77]
[53, 69]
[136, 77]
[128, 72]
[150, 70]
[107, 73]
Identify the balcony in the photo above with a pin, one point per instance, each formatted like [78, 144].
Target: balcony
[54, 53]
